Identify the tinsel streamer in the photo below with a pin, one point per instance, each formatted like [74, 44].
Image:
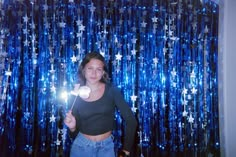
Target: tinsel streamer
[28, 92]
[145, 115]
[161, 54]
[42, 81]
[12, 85]
[3, 80]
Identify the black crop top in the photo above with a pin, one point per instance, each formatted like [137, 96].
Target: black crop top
[97, 117]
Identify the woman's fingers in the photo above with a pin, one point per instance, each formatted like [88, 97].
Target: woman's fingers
[67, 119]
[70, 120]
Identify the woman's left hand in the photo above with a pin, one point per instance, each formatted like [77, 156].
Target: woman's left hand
[70, 121]
[123, 153]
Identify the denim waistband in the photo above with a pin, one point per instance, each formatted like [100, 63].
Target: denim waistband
[85, 141]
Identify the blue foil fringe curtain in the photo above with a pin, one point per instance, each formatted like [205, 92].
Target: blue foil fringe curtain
[161, 53]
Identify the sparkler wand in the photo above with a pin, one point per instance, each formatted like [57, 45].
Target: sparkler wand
[83, 92]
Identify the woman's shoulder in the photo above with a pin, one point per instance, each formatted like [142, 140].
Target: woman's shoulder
[112, 88]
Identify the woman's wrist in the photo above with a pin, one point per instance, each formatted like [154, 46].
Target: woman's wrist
[123, 153]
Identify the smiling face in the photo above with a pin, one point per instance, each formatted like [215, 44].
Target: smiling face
[93, 71]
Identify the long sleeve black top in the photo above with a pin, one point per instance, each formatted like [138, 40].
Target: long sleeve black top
[97, 117]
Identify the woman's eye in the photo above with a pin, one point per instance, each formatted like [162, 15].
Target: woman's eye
[89, 69]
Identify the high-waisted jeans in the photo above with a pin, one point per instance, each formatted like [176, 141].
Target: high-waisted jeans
[84, 147]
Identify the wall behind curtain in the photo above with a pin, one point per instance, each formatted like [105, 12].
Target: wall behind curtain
[162, 54]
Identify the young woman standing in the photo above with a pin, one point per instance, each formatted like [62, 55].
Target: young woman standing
[91, 120]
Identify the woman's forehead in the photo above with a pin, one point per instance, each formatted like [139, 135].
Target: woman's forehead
[95, 62]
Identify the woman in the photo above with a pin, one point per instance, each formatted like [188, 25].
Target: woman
[91, 120]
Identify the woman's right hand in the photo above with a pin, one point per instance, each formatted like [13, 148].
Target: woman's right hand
[70, 121]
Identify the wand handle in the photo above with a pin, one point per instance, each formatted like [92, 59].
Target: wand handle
[73, 103]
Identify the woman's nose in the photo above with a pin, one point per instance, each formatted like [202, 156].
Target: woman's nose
[93, 72]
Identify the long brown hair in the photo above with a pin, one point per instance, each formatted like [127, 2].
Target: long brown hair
[93, 55]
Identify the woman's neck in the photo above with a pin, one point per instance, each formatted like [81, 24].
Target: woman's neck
[94, 87]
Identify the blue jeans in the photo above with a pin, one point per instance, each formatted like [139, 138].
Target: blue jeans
[84, 147]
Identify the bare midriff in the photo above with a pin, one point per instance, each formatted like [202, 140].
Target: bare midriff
[98, 137]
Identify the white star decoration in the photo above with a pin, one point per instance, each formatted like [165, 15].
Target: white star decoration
[133, 97]
[58, 142]
[185, 102]
[79, 22]
[133, 40]
[81, 28]
[173, 73]
[128, 57]
[165, 27]
[155, 60]
[33, 37]
[73, 59]
[164, 50]
[102, 53]
[143, 24]
[118, 57]
[154, 19]
[63, 41]
[185, 91]
[25, 19]
[189, 96]
[92, 8]
[194, 90]
[133, 52]
[192, 74]
[8, 73]
[62, 24]
[25, 31]
[52, 118]
[190, 119]
[121, 10]
[45, 7]
[78, 45]
[174, 84]
[185, 113]
[134, 109]
[53, 88]
[32, 25]
[26, 43]
[134, 29]
[52, 70]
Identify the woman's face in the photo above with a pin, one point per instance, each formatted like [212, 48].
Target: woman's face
[93, 71]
